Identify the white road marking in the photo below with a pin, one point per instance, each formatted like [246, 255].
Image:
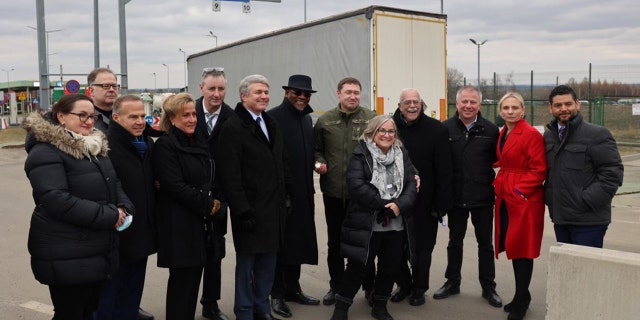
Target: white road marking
[39, 307]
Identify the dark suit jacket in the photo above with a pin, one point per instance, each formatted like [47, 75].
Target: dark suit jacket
[254, 178]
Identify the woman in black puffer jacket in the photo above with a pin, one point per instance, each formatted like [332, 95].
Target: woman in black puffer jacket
[381, 183]
[79, 205]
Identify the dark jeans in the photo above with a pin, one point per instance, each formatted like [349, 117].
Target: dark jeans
[482, 219]
[121, 295]
[590, 236]
[182, 292]
[286, 281]
[211, 278]
[75, 302]
[387, 247]
[254, 280]
[335, 209]
[418, 277]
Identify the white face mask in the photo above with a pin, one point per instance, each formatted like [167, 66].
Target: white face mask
[127, 222]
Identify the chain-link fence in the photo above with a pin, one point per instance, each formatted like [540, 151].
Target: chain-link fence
[606, 93]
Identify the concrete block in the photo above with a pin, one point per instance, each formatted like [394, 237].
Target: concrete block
[592, 283]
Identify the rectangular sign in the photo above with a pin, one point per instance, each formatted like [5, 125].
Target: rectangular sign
[635, 109]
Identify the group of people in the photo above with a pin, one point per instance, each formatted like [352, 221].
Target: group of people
[107, 196]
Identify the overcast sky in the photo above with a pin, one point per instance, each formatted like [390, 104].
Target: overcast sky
[548, 36]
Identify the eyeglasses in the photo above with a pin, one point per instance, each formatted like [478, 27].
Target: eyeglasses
[411, 102]
[212, 71]
[390, 133]
[107, 86]
[301, 93]
[84, 117]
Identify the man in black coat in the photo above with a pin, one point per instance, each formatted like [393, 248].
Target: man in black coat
[473, 145]
[254, 181]
[211, 113]
[300, 245]
[130, 153]
[427, 141]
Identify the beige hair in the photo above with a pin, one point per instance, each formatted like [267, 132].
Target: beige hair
[376, 123]
[172, 107]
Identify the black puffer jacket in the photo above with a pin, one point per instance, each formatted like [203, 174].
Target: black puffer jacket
[72, 239]
[473, 153]
[365, 201]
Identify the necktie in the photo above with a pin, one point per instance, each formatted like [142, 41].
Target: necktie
[262, 127]
[140, 145]
[561, 132]
[210, 117]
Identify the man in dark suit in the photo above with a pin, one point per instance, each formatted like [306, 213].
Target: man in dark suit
[300, 245]
[130, 152]
[211, 113]
[254, 180]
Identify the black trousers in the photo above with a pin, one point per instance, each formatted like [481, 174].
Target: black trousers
[182, 292]
[286, 281]
[482, 219]
[387, 247]
[335, 209]
[75, 302]
[418, 277]
[211, 279]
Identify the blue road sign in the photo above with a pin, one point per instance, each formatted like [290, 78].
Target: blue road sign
[72, 86]
[149, 120]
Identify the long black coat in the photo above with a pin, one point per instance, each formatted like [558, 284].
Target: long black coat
[427, 141]
[366, 201]
[219, 221]
[136, 176]
[300, 245]
[253, 180]
[185, 171]
[72, 238]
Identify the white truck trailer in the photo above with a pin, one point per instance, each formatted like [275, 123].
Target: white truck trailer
[387, 49]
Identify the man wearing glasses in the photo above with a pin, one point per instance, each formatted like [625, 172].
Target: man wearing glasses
[104, 87]
[300, 243]
[335, 136]
[427, 141]
[211, 113]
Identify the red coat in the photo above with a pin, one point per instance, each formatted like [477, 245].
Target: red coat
[523, 168]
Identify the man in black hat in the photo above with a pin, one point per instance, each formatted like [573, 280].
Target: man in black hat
[300, 245]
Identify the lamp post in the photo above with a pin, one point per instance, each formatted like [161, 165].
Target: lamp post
[8, 79]
[47, 43]
[478, 43]
[213, 36]
[164, 64]
[184, 59]
[155, 83]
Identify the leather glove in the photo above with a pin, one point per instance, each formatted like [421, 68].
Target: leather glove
[247, 222]
[438, 214]
[384, 216]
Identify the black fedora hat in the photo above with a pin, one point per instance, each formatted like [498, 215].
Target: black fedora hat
[299, 82]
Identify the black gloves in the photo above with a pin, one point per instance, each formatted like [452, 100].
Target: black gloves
[384, 216]
[438, 214]
[247, 222]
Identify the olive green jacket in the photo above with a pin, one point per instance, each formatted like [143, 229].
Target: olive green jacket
[336, 134]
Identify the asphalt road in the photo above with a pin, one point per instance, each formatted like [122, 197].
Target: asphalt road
[22, 297]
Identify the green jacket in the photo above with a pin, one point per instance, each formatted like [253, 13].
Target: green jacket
[336, 134]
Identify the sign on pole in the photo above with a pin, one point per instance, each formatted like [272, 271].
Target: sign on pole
[217, 5]
[72, 86]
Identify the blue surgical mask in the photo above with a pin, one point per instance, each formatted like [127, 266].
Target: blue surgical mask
[127, 222]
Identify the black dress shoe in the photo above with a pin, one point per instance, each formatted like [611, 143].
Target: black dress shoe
[143, 315]
[492, 296]
[265, 316]
[279, 307]
[399, 294]
[302, 298]
[417, 298]
[368, 296]
[213, 313]
[448, 289]
[329, 298]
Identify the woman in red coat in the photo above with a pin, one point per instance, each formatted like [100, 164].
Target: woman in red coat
[519, 219]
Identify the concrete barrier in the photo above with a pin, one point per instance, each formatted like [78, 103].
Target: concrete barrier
[591, 283]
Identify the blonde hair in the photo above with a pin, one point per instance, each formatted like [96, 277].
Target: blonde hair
[511, 94]
[173, 106]
[376, 123]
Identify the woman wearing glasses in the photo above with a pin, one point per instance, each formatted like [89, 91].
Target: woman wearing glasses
[381, 183]
[79, 206]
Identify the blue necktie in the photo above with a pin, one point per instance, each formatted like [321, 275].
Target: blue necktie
[140, 145]
[561, 132]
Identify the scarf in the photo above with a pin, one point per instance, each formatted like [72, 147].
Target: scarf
[92, 143]
[387, 174]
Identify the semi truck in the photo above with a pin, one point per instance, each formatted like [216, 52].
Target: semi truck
[387, 49]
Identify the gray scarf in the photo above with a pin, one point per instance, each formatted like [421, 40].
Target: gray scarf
[388, 170]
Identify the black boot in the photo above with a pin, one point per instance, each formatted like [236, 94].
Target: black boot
[379, 310]
[341, 310]
[518, 307]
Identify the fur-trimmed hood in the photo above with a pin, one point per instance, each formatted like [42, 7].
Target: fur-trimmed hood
[42, 130]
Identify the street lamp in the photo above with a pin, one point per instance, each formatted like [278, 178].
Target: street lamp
[164, 64]
[184, 58]
[47, 44]
[213, 36]
[8, 80]
[155, 83]
[478, 43]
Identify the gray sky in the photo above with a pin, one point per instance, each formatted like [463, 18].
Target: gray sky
[547, 36]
